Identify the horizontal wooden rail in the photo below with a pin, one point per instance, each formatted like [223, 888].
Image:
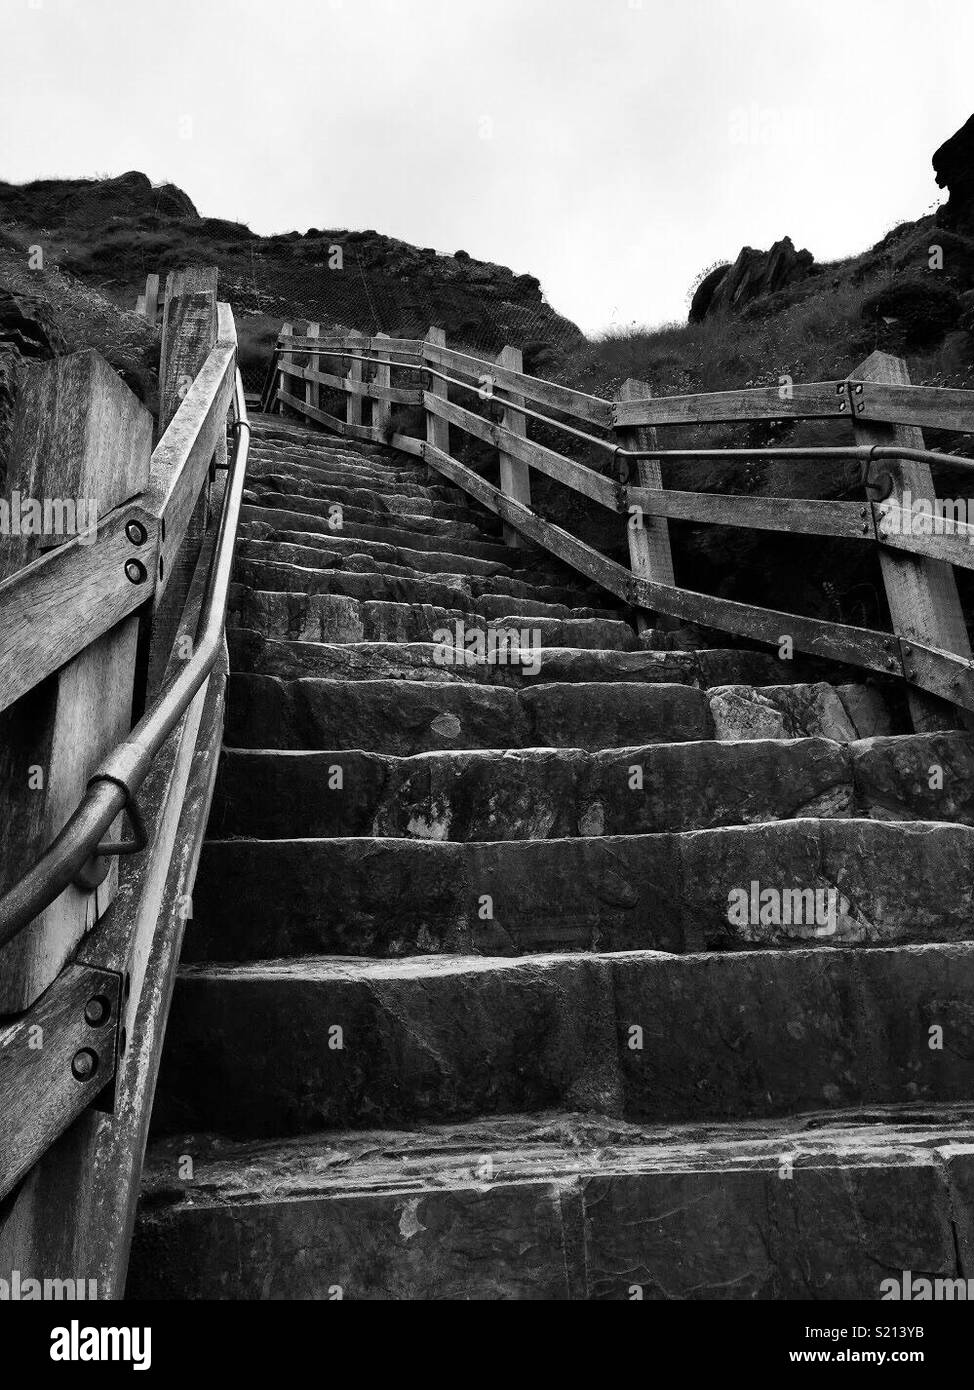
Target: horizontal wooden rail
[532, 388]
[404, 395]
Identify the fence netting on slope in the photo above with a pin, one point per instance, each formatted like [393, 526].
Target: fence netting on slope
[476, 314]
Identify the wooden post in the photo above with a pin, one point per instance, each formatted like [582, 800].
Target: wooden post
[382, 410]
[515, 474]
[437, 430]
[650, 556]
[353, 402]
[79, 434]
[189, 331]
[922, 593]
[152, 298]
[287, 330]
[312, 389]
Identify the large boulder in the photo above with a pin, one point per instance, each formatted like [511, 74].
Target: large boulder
[953, 165]
[754, 274]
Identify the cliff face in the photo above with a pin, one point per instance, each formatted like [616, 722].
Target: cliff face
[112, 232]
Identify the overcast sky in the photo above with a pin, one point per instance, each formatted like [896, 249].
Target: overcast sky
[613, 148]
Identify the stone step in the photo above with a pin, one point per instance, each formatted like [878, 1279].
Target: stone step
[354, 473]
[511, 662]
[844, 881]
[460, 538]
[554, 794]
[336, 547]
[287, 1047]
[407, 717]
[563, 1206]
[391, 465]
[419, 513]
[257, 565]
[334, 618]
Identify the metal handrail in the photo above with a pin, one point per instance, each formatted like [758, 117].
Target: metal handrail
[113, 786]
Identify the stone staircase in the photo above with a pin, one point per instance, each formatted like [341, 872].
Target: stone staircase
[646, 974]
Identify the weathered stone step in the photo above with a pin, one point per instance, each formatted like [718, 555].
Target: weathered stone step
[276, 490]
[337, 545]
[392, 466]
[302, 474]
[561, 1206]
[285, 1047]
[511, 662]
[448, 537]
[338, 516]
[353, 473]
[308, 617]
[775, 883]
[258, 564]
[406, 717]
[551, 794]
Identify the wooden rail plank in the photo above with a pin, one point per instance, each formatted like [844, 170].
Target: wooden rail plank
[532, 388]
[68, 645]
[936, 407]
[794, 514]
[41, 1091]
[396, 347]
[553, 465]
[353, 384]
[953, 544]
[403, 395]
[813, 400]
[921, 592]
[312, 389]
[181, 459]
[647, 532]
[837, 641]
[322, 417]
[67, 599]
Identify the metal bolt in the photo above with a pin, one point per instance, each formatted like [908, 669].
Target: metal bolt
[136, 532]
[841, 406]
[84, 1064]
[135, 571]
[97, 1010]
[859, 389]
[864, 528]
[862, 513]
[891, 663]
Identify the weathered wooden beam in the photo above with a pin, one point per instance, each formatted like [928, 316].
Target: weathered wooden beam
[382, 383]
[54, 1060]
[312, 389]
[403, 395]
[353, 383]
[553, 465]
[287, 331]
[437, 420]
[813, 400]
[936, 407]
[921, 592]
[181, 459]
[532, 388]
[189, 331]
[394, 347]
[650, 556]
[793, 514]
[515, 477]
[79, 435]
[332, 422]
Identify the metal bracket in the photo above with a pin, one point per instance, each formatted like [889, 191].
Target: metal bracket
[95, 869]
[878, 485]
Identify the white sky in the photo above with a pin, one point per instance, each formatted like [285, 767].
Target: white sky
[613, 148]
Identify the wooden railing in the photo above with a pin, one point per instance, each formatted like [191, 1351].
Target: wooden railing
[97, 630]
[928, 646]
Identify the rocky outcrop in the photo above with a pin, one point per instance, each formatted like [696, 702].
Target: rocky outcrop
[753, 275]
[953, 164]
[27, 333]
